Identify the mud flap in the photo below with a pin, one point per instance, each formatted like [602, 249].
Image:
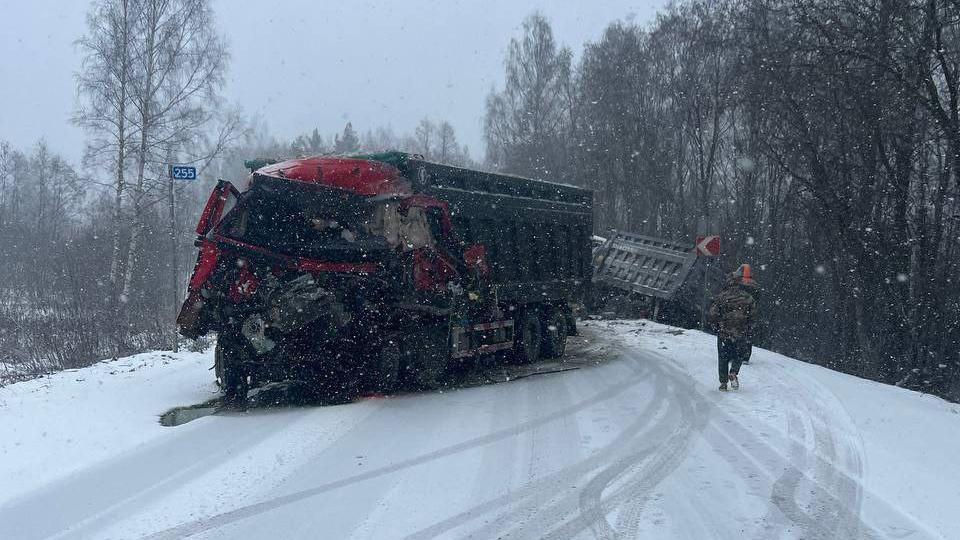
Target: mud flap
[230, 355]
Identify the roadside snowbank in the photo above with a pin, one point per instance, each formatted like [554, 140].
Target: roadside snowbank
[65, 422]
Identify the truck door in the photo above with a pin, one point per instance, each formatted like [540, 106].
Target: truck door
[221, 200]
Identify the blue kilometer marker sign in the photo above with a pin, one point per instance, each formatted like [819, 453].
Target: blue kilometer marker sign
[182, 172]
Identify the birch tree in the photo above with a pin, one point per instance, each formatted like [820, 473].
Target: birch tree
[179, 62]
[104, 85]
[424, 136]
[526, 122]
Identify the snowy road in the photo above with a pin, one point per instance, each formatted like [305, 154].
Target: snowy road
[640, 445]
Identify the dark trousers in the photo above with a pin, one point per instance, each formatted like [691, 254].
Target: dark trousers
[732, 353]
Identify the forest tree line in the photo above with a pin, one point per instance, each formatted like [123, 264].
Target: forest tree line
[820, 138]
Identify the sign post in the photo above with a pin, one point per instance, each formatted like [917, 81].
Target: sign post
[189, 174]
[707, 246]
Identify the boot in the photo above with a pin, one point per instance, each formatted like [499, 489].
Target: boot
[723, 387]
[734, 381]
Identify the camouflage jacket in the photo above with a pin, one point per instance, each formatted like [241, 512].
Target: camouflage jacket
[733, 312]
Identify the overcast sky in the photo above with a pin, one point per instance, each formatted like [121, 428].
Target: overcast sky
[301, 64]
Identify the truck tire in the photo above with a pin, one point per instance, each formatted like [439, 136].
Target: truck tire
[335, 385]
[555, 334]
[426, 362]
[228, 366]
[385, 365]
[527, 338]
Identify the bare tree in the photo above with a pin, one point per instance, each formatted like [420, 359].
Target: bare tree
[424, 136]
[104, 84]
[380, 140]
[446, 143]
[526, 122]
[179, 62]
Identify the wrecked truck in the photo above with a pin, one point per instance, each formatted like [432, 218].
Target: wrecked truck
[381, 271]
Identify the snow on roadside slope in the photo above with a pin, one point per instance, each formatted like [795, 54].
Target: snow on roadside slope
[65, 422]
[909, 443]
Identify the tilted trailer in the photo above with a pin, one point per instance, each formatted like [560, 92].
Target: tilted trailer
[639, 275]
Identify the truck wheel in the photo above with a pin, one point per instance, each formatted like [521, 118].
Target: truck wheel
[426, 365]
[336, 386]
[230, 373]
[384, 370]
[555, 334]
[527, 338]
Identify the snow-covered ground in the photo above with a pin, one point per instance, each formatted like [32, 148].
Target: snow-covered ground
[639, 445]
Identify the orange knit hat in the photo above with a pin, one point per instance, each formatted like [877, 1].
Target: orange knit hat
[743, 274]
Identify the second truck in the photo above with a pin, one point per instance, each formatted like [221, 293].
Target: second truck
[383, 270]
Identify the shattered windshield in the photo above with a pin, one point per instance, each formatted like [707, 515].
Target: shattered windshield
[303, 223]
[404, 228]
[318, 222]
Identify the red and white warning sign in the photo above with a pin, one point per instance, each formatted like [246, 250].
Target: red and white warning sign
[708, 246]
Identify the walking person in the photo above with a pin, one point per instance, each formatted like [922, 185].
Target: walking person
[733, 313]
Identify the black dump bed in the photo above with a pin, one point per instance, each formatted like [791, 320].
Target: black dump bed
[537, 234]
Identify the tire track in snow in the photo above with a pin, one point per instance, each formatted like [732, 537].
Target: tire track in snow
[118, 487]
[496, 455]
[827, 490]
[834, 520]
[587, 506]
[635, 474]
[646, 468]
[694, 418]
[788, 482]
[825, 522]
[590, 505]
[785, 489]
[786, 486]
[793, 473]
[834, 509]
[529, 502]
[829, 519]
[219, 520]
[642, 471]
[838, 494]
